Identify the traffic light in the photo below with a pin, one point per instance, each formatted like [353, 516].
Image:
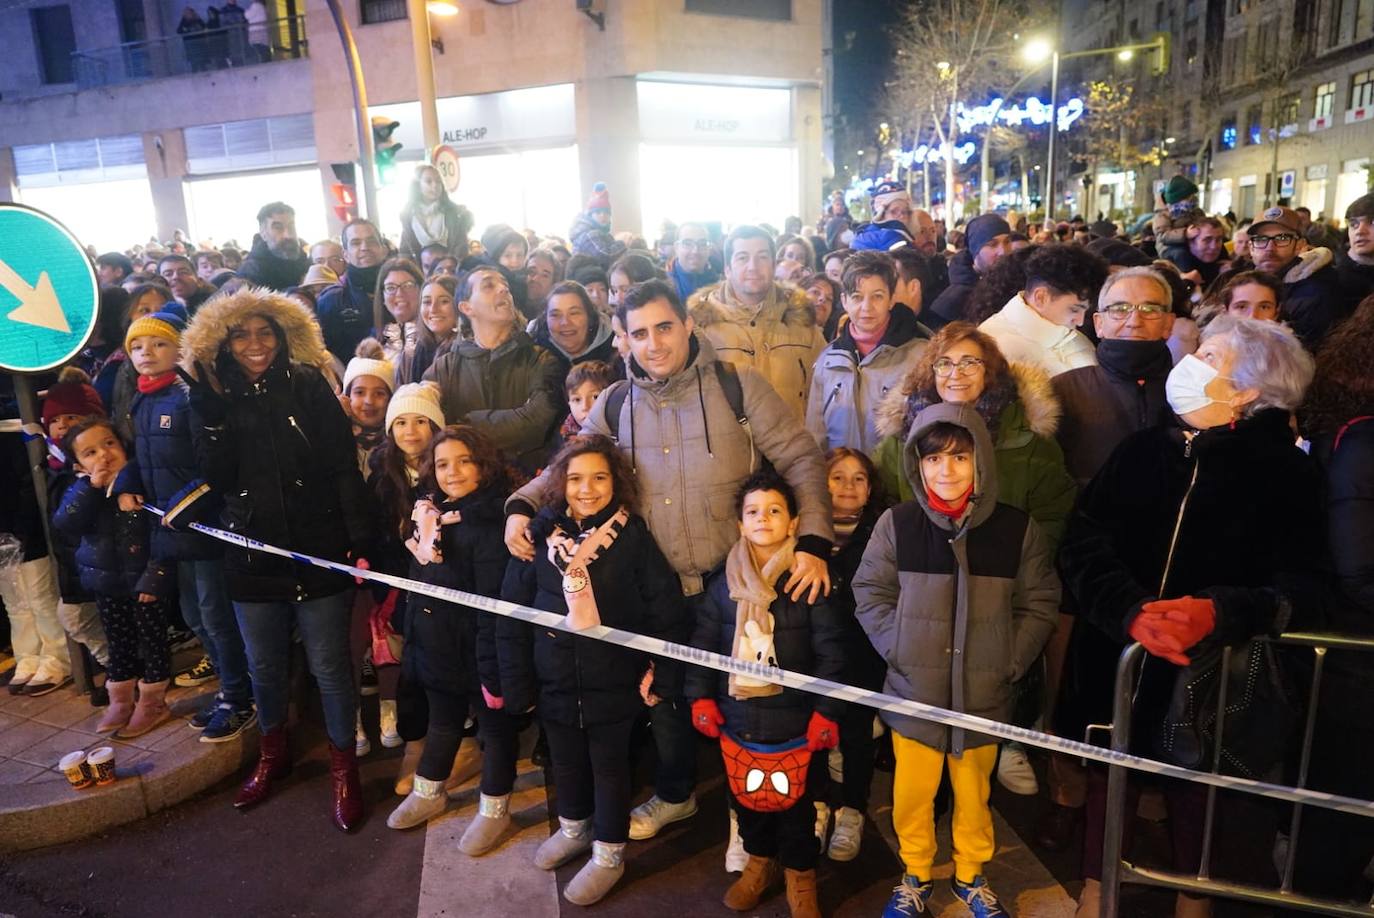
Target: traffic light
[344, 192]
[384, 149]
[1159, 60]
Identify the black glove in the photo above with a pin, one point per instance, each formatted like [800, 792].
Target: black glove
[208, 405]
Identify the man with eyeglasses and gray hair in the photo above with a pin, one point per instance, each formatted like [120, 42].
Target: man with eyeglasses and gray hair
[1311, 303]
[690, 268]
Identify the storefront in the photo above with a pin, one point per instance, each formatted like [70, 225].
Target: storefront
[517, 156]
[711, 152]
[98, 188]
[235, 167]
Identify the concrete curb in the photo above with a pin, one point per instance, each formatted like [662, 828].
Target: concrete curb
[154, 772]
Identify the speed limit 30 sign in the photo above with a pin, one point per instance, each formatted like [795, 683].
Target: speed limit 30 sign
[445, 159]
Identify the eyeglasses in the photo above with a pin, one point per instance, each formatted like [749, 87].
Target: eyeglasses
[1283, 239]
[393, 289]
[1146, 310]
[693, 243]
[944, 367]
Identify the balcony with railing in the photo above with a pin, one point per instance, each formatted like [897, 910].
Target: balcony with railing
[200, 51]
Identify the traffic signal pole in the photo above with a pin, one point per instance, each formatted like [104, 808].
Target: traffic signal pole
[355, 76]
[423, 52]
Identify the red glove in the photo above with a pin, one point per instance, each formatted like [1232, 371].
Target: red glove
[1168, 627]
[706, 717]
[822, 733]
[494, 702]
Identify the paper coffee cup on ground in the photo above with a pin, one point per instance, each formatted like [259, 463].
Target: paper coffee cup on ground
[102, 764]
[78, 773]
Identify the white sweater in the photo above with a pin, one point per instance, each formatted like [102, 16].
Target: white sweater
[1025, 336]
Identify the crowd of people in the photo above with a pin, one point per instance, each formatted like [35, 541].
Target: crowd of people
[962, 465]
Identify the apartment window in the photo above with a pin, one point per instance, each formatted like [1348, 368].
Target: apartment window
[1362, 89]
[1230, 57]
[1267, 52]
[383, 11]
[1333, 35]
[1286, 109]
[1254, 125]
[55, 41]
[773, 10]
[1227, 138]
[1185, 120]
[1325, 100]
[1364, 18]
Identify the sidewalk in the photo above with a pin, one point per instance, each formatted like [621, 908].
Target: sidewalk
[157, 770]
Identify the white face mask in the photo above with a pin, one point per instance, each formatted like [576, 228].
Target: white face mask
[1186, 387]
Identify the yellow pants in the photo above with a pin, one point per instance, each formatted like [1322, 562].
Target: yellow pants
[913, 806]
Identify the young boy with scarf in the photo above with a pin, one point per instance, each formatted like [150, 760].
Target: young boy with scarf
[596, 563]
[958, 594]
[767, 732]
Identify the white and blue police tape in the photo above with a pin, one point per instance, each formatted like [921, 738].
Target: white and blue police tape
[878, 700]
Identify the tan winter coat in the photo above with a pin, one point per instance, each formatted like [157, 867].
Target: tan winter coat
[779, 338]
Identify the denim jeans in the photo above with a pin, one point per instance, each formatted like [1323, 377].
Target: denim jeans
[323, 627]
[205, 606]
[670, 721]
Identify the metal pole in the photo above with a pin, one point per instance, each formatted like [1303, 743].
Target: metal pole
[1114, 819]
[985, 181]
[1052, 207]
[355, 76]
[423, 51]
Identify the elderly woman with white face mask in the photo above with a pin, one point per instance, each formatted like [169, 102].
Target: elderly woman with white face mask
[1201, 532]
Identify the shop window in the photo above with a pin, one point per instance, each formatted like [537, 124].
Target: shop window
[1254, 125]
[1228, 137]
[55, 41]
[1325, 100]
[774, 10]
[383, 11]
[1361, 89]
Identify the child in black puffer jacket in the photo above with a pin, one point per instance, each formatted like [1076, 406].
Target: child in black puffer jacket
[131, 589]
[595, 562]
[456, 542]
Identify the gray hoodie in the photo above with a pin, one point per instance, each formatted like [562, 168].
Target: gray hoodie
[958, 609]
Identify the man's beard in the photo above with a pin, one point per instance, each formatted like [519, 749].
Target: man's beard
[286, 248]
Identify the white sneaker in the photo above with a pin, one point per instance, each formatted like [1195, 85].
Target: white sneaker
[848, 833]
[649, 818]
[361, 745]
[390, 737]
[1014, 771]
[822, 823]
[736, 858]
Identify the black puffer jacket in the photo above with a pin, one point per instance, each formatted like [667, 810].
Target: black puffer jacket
[579, 681]
[265, 268]
[450, 647]
[950, 305]
[1312, 303]
[113, 559]
[864, 666]
[1251, 539]
[807, 638]
[284, 458]
[68, 574]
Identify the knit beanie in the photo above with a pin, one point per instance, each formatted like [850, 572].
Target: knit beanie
[416, 398]
[885, 193]
[982, 229]
[71, 394]
[600, 199]
[370, 361]
[1178, 189]
[167, 325]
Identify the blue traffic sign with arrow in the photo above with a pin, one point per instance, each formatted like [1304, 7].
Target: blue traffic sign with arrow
[49, 293]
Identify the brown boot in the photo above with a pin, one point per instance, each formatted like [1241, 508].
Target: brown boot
[121, 706]
[274, 761]
[748, 891]
[801, 893]
[150, 712]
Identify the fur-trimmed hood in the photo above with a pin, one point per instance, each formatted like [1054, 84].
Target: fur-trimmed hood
[1309, 263]
[716, 304]
[1033, 390]
[209, 329]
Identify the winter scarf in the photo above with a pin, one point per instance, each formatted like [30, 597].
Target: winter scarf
[752, 590]
[989, 406]
[572, 555]
[428, 224]
[950, 508]
[845, 527]
[866, 343]
[150, 384]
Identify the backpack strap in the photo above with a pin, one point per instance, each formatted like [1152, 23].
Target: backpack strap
[727, 374]
[615, 400]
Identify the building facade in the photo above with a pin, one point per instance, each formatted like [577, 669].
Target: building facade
[128, 123]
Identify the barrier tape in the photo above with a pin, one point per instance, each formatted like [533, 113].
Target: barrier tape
[816, 686]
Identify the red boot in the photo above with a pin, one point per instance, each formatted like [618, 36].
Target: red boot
[348, 790]
[273, 762]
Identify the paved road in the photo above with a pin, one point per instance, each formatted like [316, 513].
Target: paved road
[286, 859]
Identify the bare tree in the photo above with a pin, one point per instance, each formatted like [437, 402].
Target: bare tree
[953, 51]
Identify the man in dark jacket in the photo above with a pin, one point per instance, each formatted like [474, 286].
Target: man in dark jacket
[989, 238]
[180, 274]
[1355, 267]
[1205, 252]
[276, 259]
[500, 381]
[345, 310]
[1311, 303]
[691, 266]
[1124, 392]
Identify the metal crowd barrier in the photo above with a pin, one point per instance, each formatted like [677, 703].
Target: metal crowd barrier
[1116, 871]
